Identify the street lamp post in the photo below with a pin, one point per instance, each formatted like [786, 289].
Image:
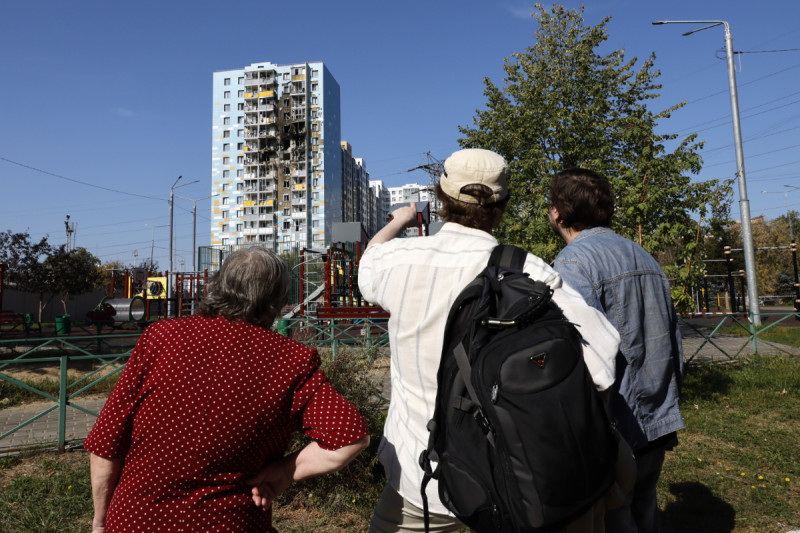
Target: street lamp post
[194, 227]
[171, 233]
[153, 240]
[744, 203]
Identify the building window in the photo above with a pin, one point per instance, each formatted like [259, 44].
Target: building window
[241, 94]
[225, 200]
[315, 86]
[286, 76]
[239, 133]
[239, 173]
[287, 225]
[225, 215]
[225, 187]
[227, 107]
[314, 100]
[239, 200]
[240, 186]
[314, 73]
[240, 146]
[226, 133]
[314, 140]
[240, 120]
[226, 147]
[226, 120]
[286, 212]
[285, 183]
[240, 107]
[226, 160]
[227, 94]
[225, 174]
[285, 197]
[227, 81]
[240, 81]
[225, 228]
[314, 127]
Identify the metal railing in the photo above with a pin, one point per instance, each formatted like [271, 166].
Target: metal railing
[716, 343]
[106, 361]
[96, 352]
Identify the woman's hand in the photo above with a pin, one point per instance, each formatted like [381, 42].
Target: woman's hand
[271, 481]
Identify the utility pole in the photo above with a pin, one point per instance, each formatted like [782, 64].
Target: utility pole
[744, 203]
[194, 226]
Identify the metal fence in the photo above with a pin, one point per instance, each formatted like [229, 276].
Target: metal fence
[704, 339]
[105, 355]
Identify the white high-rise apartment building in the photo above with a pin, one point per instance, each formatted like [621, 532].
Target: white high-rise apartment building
[277, 175]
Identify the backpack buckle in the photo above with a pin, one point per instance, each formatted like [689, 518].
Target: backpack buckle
[483, 422]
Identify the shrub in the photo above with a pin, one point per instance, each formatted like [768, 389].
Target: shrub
[355, 488]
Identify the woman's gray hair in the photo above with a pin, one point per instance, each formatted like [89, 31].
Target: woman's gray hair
[251, 285]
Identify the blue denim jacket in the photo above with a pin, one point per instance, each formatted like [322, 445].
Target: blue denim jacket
[619, 278]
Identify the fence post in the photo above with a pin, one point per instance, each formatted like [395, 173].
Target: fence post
[62, 403]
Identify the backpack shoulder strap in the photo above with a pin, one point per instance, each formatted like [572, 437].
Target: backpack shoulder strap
[509, 256]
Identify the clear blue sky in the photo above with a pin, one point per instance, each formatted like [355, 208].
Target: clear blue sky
[118, 95]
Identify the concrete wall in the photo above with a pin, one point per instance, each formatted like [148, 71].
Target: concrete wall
[15, 301]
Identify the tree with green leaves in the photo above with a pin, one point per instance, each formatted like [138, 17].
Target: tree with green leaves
[72, 272]
[563, 105]
[24, 263]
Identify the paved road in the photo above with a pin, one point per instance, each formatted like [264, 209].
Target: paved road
[45, 428]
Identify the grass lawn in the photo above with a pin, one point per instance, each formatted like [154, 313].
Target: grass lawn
[737, 468]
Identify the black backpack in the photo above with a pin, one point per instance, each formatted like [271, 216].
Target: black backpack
[520, 440]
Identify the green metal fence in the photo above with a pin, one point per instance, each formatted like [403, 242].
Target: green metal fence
[106, 356]
[714, 344]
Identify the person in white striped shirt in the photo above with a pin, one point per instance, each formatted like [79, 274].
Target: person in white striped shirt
[416, 280]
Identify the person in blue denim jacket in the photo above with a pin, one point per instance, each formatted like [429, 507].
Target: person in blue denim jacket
[621, 279]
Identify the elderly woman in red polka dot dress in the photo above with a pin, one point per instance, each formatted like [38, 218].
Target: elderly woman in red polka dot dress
[194, 435]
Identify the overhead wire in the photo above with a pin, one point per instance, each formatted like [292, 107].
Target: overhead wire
[78, 181]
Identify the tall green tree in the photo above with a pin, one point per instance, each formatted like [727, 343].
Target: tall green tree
[72, 272]
[24, 264]
[564, 104]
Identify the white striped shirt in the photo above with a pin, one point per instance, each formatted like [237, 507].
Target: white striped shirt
[417, 280]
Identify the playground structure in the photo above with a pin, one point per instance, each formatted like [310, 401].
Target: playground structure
[145, 297]
[734, 301]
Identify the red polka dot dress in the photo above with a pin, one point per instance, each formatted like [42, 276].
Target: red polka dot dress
[202, 404]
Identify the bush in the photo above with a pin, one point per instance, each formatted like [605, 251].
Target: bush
[355, 488]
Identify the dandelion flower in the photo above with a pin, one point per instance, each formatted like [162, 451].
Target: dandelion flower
[700, 459]
[760, 477]
[743, 474]
[752, 486]
[69, 487]
[787, 479]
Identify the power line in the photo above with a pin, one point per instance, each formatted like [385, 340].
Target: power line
[767, 51]
[78, 181]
